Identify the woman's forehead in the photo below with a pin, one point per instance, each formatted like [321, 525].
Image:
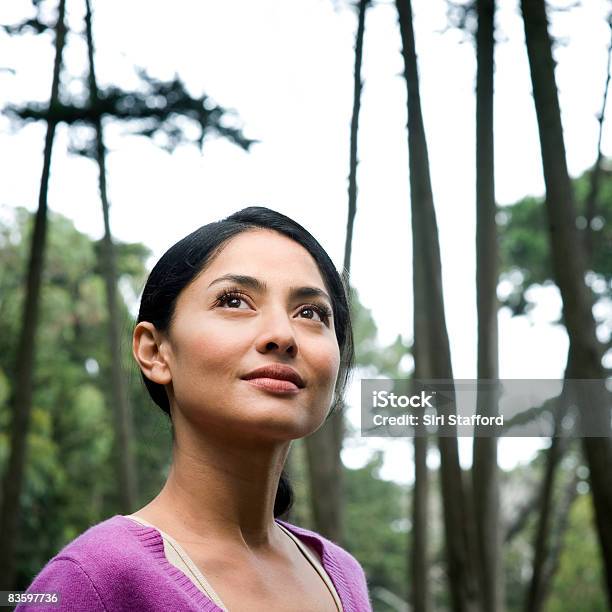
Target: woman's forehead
[265, 254]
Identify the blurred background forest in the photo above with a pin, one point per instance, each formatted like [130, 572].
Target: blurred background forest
[473, 226]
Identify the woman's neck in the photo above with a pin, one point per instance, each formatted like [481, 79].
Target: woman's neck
[221, 493]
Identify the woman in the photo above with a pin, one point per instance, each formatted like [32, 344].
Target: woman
[244, 339]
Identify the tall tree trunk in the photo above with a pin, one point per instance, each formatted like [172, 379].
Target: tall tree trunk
[121, 407]
[565, 507]
[569, 267]
[323, 448]
[352, 188]
[325, 476]
[545, 563]
[540, 576]
[417, 560]
[485, 481]
[431, 335]
[20, 401]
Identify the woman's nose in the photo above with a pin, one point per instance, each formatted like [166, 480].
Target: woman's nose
[277, 334]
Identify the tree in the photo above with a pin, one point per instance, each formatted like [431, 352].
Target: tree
[358, 85]
[572, 564]
[379, 543]
[69, 480]
[542, 567]
[569, 267]
[323, 448]
[128, 479]
[526, 261]
[20, 401]
[431, 345]
[485, 484]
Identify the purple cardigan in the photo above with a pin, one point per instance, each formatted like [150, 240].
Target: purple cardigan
[119, 565]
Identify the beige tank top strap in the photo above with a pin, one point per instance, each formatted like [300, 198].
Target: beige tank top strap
[178, 557]
[317, 565]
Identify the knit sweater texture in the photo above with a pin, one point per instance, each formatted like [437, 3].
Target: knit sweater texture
[119, 565]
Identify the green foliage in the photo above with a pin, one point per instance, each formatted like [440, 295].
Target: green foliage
[579, 582]
[301, 511]
[524, 241]
[70, 478]
[376, 530]
[385, 360]
[375, 527]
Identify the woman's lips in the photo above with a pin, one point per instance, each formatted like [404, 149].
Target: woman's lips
[274, 385]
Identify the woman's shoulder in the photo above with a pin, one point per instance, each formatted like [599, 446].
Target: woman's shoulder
[111, 540]
[346, 571]
[88, 570]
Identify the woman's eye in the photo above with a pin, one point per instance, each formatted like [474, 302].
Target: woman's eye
[313, 313]
[232, 301]
[310, 311]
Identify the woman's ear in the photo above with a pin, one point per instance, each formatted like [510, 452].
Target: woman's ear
[150, 354]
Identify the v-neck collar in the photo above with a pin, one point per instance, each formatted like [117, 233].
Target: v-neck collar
[153, 541]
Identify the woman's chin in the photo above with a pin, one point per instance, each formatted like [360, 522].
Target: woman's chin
[283, 428]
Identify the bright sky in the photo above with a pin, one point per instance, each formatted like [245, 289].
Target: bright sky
[286, 67]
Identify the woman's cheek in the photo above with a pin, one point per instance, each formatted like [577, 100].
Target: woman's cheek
[328, 363]
[215, 348]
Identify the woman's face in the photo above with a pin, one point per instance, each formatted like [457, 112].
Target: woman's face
[277, 313]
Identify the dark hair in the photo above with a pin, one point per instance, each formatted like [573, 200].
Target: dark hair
[184, 261]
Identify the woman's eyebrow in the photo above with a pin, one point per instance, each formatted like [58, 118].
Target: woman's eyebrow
[257, 285]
